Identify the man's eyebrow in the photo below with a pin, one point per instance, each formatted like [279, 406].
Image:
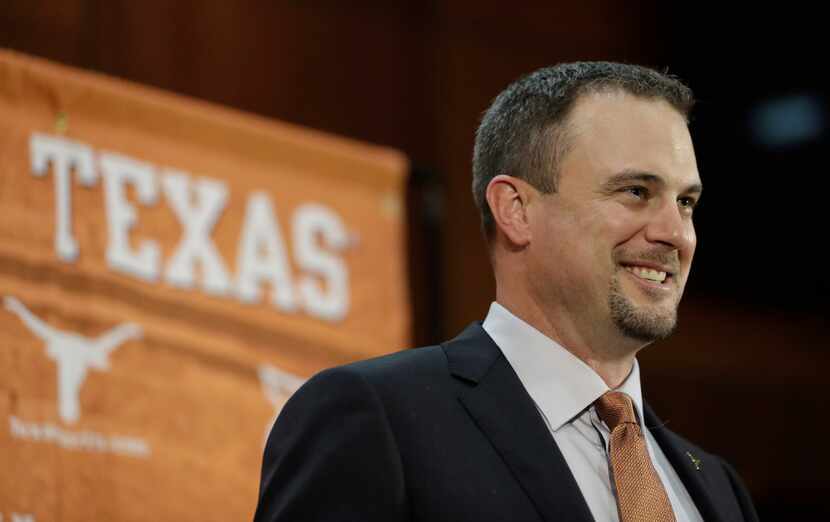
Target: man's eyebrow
[630, 176]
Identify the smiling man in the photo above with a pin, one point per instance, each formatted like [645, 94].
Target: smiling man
[586, 180]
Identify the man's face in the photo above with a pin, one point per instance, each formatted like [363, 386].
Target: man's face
[612, 248]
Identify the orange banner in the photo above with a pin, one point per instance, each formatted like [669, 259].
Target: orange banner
[170, 272]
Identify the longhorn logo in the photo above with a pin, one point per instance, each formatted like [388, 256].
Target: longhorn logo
[74, 354]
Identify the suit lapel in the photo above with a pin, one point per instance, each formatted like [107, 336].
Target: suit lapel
[684, 460]
[501, 408]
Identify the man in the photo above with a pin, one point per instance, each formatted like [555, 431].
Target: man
[586, 180]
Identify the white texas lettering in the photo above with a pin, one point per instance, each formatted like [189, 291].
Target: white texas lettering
[197, 221]
[64, 154]
[261, 256]
[318, 234]
[121, 215]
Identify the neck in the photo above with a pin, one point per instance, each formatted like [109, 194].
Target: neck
[608, 353]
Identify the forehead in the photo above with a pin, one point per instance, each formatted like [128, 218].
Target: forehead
[611, 132]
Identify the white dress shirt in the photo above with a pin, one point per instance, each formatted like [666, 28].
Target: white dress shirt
[564, 389]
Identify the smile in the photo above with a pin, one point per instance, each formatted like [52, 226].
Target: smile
[648, 274]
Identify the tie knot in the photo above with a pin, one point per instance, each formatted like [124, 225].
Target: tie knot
[615, 408]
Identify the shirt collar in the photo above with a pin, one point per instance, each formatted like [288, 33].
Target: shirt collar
[560, 384]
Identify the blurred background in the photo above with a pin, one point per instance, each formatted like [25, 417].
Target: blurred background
[744, 375]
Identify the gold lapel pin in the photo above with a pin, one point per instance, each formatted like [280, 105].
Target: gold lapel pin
[695, 460]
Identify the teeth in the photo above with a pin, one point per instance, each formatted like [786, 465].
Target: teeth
[647, 273]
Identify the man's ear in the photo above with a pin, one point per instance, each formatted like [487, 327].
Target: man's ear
[508, 199]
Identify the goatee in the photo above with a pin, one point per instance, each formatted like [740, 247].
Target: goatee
[642, 323]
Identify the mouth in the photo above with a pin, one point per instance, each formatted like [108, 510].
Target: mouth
[650, 275]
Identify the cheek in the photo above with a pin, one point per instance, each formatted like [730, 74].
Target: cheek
[595, 238]
[562, 250]
[611, 227]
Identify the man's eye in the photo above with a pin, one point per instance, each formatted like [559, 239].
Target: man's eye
[638, 192]
[687, 202]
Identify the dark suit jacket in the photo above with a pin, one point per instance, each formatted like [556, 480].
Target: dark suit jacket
[443, 433]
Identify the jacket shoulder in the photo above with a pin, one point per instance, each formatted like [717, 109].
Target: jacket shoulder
[428, 359]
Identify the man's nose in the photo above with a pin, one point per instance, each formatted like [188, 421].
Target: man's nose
[670, 226]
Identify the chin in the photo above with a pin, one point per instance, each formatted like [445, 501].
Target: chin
[641, 322]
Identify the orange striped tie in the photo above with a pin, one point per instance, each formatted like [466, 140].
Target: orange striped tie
[640, 493]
